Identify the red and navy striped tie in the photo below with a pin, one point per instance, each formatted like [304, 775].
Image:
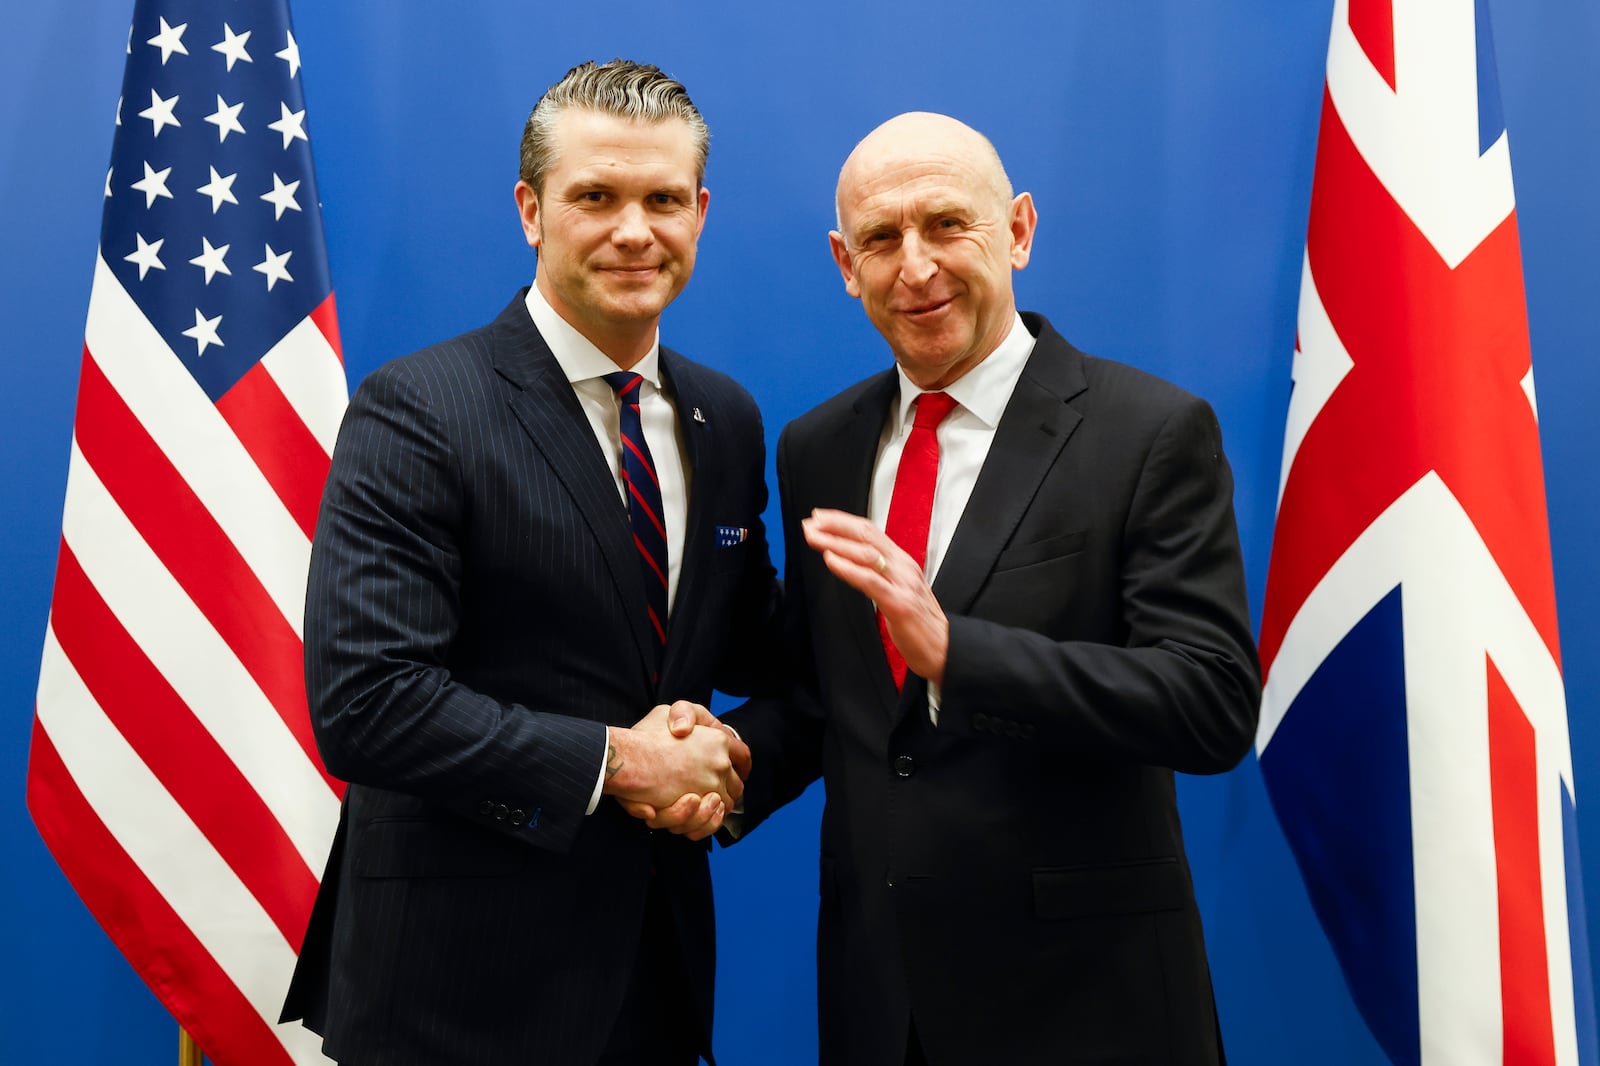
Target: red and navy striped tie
[644, 502]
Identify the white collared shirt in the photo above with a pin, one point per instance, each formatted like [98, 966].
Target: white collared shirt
[585, 365]
[981, 396]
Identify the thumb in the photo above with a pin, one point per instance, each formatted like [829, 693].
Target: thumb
[680, 719]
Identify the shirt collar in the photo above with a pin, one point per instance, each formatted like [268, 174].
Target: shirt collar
[984, 390]
[580, 360]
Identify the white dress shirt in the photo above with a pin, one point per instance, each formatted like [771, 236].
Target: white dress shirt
[981, 396]
[585, 367]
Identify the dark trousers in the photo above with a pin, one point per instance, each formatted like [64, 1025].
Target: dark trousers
[657, 1025]
[914, 1056]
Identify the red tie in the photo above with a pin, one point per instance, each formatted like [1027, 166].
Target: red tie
[911, 506]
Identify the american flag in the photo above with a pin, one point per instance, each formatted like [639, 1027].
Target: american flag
[172, 770]
[1413, 733]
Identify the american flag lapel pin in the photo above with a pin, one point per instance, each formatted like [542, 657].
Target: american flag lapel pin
[729, 536]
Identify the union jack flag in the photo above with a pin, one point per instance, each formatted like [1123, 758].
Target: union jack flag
[1413, 731]
[172, 770]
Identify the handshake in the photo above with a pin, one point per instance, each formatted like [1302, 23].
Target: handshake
[678, 768]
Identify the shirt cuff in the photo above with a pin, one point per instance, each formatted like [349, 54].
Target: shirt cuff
[934, 697]
[599, 781]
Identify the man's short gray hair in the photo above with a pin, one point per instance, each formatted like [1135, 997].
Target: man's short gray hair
[623, 88]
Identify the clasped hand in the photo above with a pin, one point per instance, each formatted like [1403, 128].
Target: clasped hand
[678, 768]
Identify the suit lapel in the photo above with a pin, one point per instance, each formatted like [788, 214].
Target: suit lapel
[699, 458]
[1031, 434]
[846, 484]
[550, 414]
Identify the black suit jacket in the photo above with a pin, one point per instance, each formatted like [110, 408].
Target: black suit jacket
[474, 621]
[1015, 878]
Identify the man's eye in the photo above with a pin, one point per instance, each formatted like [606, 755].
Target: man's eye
[663, 199]
[593, 196]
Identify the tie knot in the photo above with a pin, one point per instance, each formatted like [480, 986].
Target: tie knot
[932, 407]
[623, 381]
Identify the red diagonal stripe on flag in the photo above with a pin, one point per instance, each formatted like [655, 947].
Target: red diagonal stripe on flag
[1439, 359]
[170, 740]
[326, 319]
[1372, 23]
[155, 940]
[1529, 1037]
[194, 548]
[281, 446]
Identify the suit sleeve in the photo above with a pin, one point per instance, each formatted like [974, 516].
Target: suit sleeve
[784, 727]
[1183, 689]
[383, 608]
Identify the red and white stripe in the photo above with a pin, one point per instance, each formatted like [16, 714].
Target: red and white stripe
[173, 772]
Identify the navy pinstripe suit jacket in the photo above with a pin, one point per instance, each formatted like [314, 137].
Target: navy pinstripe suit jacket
[474, 620]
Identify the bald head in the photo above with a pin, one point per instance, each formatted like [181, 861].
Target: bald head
[917, 138]
[929, 236]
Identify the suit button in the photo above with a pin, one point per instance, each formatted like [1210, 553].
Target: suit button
[518, 816]
[905, 765]
[1027, 731]
[486, 808]
[980, 723]
[1013, 729]
[500, 812]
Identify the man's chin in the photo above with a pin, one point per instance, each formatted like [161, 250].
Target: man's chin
[633, 307]
[637, 301]
[926, 349]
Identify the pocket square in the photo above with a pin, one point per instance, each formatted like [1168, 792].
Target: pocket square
[731, 536]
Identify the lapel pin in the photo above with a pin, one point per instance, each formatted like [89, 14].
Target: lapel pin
[698, 417]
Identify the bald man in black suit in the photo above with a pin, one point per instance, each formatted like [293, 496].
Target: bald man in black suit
[1015, 582]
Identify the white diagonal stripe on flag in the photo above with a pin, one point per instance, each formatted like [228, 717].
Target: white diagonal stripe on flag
[1320, 363]
[197, 662]
[199, 444]
[308, 371]
[164, 843]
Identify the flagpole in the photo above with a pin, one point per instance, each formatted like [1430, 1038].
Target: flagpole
[188, 1051]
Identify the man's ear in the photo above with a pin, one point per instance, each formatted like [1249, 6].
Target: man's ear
[1024, 223]
[841, 255]
[528, 210]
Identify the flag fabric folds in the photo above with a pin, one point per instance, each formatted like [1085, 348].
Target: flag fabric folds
[1413, 733]
[172, 771]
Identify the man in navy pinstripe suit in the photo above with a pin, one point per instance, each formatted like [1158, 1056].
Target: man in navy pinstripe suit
[480, 650]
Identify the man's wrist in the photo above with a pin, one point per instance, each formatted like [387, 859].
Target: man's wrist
[614, 775]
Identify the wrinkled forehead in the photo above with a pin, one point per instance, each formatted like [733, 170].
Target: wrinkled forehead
[882, 187]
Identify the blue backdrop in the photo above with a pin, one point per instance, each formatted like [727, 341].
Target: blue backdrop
[1168, 145]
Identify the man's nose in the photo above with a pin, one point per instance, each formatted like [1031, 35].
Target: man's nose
[917, 265]
[633, 226]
